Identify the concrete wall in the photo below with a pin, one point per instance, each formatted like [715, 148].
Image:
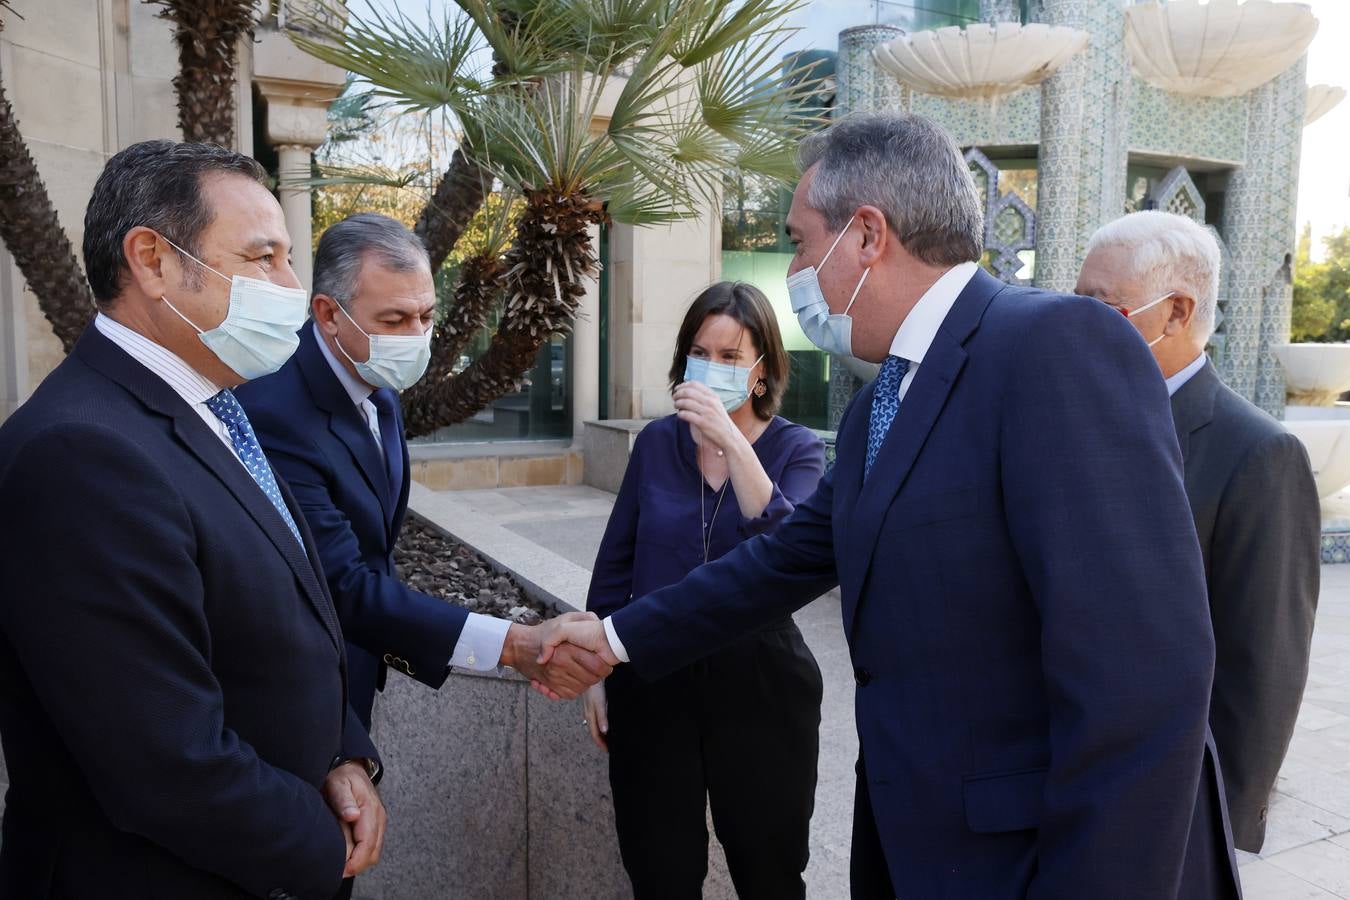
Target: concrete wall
[86, 79]
[654, 274]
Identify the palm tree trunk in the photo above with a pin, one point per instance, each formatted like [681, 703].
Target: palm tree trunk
[456, 200]
[426, 405]
[207, 33]
[543, 281]
[30, 229]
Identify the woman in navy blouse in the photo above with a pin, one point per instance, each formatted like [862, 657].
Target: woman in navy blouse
[738, 730]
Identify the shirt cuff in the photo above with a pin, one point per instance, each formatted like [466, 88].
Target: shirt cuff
[480, 643]
[614, 643]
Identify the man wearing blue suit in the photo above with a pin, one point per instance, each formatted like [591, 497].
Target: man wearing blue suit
[172, 695]
[330, 423]
[1022, 588]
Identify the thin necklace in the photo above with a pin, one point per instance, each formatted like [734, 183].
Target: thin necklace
[706, 534]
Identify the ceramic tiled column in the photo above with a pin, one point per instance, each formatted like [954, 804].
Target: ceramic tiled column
[1082, 157]
[1259, 228]
[862, 87]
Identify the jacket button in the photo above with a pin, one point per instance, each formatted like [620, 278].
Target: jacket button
[1264, 812]
[862, 676]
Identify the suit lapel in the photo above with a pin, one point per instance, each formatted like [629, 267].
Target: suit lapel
[344, 419]
[218, 459]
[1193, 405]
[919, 411]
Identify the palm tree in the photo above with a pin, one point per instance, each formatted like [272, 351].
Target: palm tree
[698, 92]
[207, 33]
[30, 229]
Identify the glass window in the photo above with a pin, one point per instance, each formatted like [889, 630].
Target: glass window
[540, 410]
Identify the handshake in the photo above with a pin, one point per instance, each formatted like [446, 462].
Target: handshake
[562, 657]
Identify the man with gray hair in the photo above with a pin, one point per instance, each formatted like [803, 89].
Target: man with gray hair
[1025, 613]
[330, 422]
[1252, 496]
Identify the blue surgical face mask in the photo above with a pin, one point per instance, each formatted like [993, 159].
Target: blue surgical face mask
[831, 333]
[260, 330]
[731, 384]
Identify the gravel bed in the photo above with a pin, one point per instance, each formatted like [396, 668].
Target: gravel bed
[432, 563]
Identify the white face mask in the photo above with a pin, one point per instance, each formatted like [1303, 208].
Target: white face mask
[730, 383]
[396, 361]
[831, 333]
[260, 330]
[1147, 306]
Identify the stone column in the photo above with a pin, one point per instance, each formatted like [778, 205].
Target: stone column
[1259, 226]
[14, 375]
[297, 89]
[297, 206]
[1084, 136]
[585, 386]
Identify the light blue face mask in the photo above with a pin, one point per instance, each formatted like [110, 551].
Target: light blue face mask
[260, 330]
[831, 333]
[731, 384]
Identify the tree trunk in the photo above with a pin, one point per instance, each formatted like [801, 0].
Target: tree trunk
[456, 200]
[426, 405]
[32, 232]
[543, 283]
[207, 32]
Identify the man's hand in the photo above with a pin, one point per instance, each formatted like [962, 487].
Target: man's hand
[352, 797]
[586, 632]
[565, 673]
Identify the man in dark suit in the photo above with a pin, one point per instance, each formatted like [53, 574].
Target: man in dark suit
[1251, 493]
[172, 696]
[331, 425]
[1025, 611]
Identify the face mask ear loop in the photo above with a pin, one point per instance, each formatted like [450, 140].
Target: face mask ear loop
[1148, 306]
[180, 315]
[861, 282]
[194, 259]
[839, 238]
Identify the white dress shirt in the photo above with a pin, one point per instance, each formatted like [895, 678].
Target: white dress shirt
[911, 342]
[194, 387]
[480, 642]
[1176, 381]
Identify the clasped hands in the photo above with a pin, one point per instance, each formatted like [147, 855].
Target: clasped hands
[562, 657]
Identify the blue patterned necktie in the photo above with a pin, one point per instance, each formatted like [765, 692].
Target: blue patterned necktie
[385, 401]
[885, 404]
[245, 443]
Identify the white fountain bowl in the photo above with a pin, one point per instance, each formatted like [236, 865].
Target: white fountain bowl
[1323, 368]
[1327, 440]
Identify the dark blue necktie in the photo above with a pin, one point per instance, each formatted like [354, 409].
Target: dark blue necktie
[391, 442]
[227, 409]
[885, 404]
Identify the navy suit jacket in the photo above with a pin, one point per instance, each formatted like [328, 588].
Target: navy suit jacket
[171, 667]
[1025, 605]
[316, 437]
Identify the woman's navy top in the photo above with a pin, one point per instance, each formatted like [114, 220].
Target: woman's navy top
[653, 538]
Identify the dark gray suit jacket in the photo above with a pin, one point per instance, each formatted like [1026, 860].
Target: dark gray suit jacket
[1259, 523]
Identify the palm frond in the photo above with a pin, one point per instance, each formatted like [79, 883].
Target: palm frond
[706, 28]
[414, 66]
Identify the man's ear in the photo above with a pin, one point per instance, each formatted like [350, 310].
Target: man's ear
[875, 230]
[1183, 313]
[324, 310]
[155, 269]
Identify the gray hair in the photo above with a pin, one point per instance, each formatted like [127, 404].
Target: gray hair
[907, 167]
[1169, 252]
[344, 248]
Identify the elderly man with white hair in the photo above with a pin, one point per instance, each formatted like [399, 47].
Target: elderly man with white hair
[1251, 492]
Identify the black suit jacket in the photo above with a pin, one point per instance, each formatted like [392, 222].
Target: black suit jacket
[315, 436]
[171, 667]
[1259, 522]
